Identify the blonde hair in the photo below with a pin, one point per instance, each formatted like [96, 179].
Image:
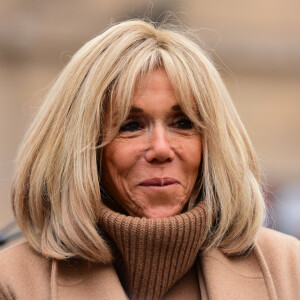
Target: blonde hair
[56, 194]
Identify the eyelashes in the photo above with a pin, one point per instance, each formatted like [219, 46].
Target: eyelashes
[132, 125]
[137, 124]
[184, 123]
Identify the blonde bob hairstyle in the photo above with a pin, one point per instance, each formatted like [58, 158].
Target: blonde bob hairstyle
[56, 194]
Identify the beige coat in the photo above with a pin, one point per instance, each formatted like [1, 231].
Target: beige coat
[271, 271]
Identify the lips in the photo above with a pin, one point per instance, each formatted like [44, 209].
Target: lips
[159, 182]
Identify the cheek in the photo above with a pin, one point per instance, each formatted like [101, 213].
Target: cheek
[192, 150]
[118, 158]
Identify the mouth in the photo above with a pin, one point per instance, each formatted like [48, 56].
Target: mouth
[159, 182]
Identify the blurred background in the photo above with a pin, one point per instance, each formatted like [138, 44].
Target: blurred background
[255, 45]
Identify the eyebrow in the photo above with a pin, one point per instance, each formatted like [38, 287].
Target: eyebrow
[135, 109]
[176, 107]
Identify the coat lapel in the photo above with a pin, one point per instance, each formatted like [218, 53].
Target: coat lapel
[83, 280]
[222, 277]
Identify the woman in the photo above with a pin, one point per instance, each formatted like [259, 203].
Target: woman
[137, 180]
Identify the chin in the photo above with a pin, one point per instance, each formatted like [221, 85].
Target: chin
[161, 212]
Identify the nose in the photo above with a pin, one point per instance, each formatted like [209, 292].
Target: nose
[159, 146]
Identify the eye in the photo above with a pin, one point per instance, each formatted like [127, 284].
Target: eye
[183, 123]
[132, 125]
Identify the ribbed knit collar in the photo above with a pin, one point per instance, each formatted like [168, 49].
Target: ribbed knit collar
[154, 253]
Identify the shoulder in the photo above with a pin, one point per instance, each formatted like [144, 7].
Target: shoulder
[270, 236]
[23, 271]
[275, 245]
[271, 247]
[271, 268]
[21, 256]
[278, 255]
[279, 252]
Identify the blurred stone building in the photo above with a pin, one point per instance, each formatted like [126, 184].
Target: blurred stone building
[255, 45]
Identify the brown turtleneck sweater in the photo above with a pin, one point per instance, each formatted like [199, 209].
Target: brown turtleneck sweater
[153, 254]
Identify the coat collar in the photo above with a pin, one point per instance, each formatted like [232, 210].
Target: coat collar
[243, 277]
[84, 280]
[220, 277]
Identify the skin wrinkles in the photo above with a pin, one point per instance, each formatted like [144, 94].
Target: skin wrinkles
[156, 141]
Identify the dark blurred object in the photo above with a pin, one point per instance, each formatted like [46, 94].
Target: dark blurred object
[9, 233]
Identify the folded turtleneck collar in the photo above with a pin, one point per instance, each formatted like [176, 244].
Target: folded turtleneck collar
[152, 254]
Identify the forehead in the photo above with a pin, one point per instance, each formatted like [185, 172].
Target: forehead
[154, 89]
[157, 79]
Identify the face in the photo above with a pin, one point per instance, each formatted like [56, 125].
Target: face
[151, 166]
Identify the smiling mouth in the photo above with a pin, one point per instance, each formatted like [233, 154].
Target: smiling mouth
[159, 182]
